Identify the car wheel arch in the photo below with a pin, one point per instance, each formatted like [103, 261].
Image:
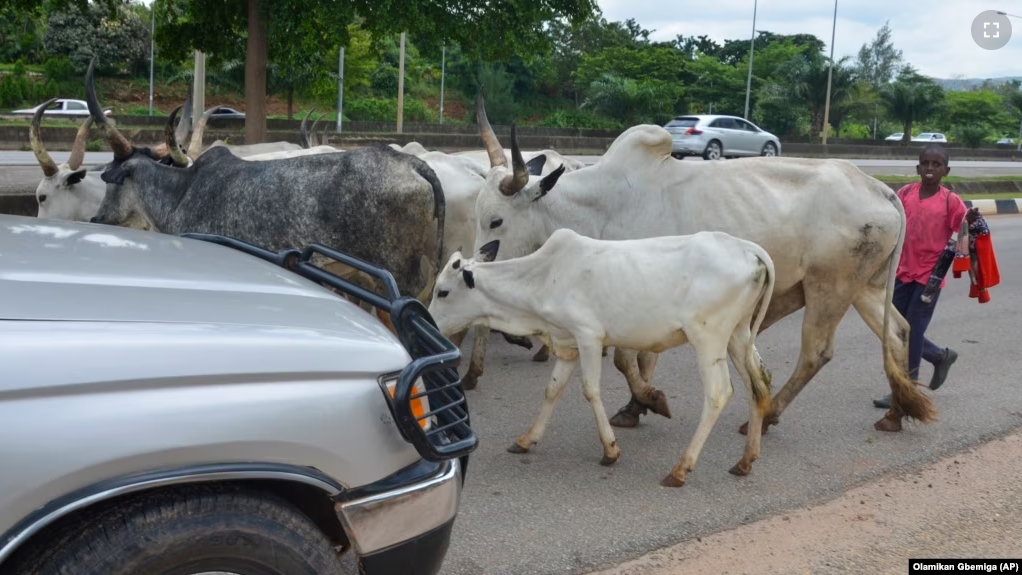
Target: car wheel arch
[306, 489]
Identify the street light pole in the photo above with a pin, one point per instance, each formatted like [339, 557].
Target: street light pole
[830, 75]
[443, 65]
[152, 52]
[752, 45]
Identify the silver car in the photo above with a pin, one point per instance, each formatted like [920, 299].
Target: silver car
[193, 404]
[717, 136]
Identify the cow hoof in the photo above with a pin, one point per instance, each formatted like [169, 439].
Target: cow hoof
[658, 405]
[624, 419]
[740, 470]
[608, 460]
[515, 448]
[888, 424]
[542, 355]
[518, 340]
[470, 381]
[672, 481]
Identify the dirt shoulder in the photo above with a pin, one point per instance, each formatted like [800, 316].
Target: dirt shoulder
[966, 505]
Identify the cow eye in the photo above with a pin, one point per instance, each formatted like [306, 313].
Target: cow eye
[442, 293]
[496, 223]
[42, 198]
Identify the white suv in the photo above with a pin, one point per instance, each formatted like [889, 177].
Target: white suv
[716, 136]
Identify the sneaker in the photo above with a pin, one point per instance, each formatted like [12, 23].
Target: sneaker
[883, 402]
[940, 370]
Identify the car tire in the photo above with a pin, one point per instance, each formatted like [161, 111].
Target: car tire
[199, 529]
[713, 151]
[769, 149]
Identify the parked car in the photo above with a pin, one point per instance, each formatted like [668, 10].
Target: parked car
[1006, 141]
[62, 107]
[895, 137]
[930, 137]
[717, 136]
[194, 404]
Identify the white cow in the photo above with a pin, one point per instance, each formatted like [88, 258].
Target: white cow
[240, 150]
[834, 233]
[541, 163]
[413, 148]
[579, 294]
[67, 191]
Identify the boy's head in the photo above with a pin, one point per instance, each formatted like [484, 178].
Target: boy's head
[933, 164]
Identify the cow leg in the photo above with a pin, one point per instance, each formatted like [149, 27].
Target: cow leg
[717, 393]
[520, 341]
[757, 387]
[644, 396]
[826, 306]
[542, 355]
[475, 364]
[589, 355]
[563, 370]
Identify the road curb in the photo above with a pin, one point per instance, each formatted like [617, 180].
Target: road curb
[996, 207]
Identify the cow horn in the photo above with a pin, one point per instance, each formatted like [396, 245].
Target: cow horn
[511, 186]
[303, 132]
[35, 137]
[490, 141]
[181, 134]
[120, 145]
[176, 153]
[195, 147]
[315, 139]
[74, 161]
[324, 139]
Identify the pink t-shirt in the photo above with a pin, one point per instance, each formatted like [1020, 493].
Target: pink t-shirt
[929, 225]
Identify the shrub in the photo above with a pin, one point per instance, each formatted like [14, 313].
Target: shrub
[972, 136]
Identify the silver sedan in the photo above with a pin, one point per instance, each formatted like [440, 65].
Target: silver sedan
[717, 136]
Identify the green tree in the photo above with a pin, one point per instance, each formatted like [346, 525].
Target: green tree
[495, 30]
[803, 80]
[977, 108]
[910, 99]
[633, 101]
[653, 62]
[119, 41]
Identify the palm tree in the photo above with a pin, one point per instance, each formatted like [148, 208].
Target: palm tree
[911, 98]
[804, 80]
[632, 101]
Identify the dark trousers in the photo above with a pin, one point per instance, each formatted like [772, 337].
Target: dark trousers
[918, 314]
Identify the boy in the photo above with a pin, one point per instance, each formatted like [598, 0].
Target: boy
[932, 215]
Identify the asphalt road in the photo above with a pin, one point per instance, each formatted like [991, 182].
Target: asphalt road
[556, 510]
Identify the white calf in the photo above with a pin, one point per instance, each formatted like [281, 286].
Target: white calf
[580, 294]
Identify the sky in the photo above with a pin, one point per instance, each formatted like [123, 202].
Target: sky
[934, 36]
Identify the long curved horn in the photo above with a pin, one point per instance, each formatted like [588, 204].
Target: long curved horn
[490, 141]
[186, 120]
[514, 184]
[303, 133]
[74, 161]
[177, 155]
[315, 139]
[35, 137]
[324, 139]
[195, 147]
[120, 145]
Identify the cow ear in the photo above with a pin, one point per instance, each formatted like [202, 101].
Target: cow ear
[456, 264]
[114, 175]
[470, 279]
[488, 252]
[535, 165]
[75, 177]
[547, 183]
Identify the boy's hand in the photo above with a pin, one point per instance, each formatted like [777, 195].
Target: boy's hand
[972, 214]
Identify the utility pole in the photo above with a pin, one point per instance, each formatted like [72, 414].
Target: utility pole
[152, 53]
[830, 75]
[401, 85]
[340, 88]
[443, 62]
[752, 45]
[199, 87]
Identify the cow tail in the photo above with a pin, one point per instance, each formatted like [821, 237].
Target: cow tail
[754, 364]
[906, 397]
[439, 206]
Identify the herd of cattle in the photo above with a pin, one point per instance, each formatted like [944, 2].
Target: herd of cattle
[640, 252]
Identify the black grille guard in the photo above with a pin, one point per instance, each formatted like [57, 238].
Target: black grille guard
[435, 359]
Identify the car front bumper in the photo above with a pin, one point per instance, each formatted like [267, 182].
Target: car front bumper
[405, 529]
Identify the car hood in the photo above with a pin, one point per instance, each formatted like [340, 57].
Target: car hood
[73, 271]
